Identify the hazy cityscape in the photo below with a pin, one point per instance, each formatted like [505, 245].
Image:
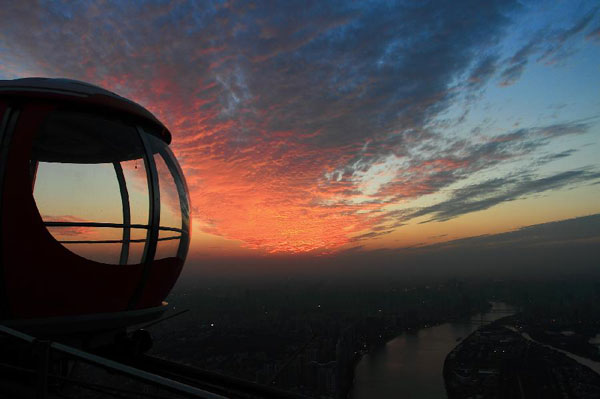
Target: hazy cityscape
[308, 337]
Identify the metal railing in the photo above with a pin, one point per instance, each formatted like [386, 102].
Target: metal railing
[43, 348]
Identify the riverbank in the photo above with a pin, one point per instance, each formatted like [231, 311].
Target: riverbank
[412, 333]
[575, 352]
[496, 361]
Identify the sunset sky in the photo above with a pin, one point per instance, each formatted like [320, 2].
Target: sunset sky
[334, 127]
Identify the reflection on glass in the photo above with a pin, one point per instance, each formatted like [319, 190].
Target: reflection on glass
[136, 250]
[89, 183]
[136, 246]
[137, 187]
[170, 210]
[167, 244]
[83, 233]
[90, 180]
[183, 199]
[78, 192]
[174, 203]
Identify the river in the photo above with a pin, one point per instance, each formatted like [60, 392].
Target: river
[410, 365]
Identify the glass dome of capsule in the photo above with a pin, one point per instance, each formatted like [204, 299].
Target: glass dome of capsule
[94, 209]
[107, 190]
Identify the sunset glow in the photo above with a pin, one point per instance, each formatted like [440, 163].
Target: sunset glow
[324, 128]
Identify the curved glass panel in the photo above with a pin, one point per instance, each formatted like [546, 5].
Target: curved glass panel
[89, 180]
[78, 192]
[170, 209]
[168, 244]
[184, 198]
[137, 188]
[173, 236]
[136, 246]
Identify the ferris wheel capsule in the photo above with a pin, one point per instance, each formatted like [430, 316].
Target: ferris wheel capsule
[94, 208]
